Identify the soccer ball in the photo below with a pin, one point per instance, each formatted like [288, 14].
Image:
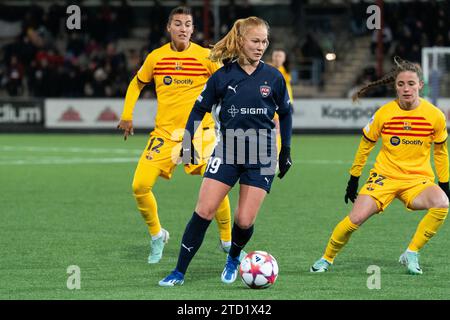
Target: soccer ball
[258, 270]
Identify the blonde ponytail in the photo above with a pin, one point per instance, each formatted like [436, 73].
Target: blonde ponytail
[229, 47]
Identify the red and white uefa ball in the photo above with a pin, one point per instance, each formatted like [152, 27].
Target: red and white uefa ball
[258, 270]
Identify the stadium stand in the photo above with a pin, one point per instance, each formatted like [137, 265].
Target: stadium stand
[40, 58]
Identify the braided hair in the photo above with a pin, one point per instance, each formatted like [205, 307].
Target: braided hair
[389, 78]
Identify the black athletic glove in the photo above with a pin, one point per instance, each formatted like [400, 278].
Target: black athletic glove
[188, 154]
[284, 161]
[445, 188]
[352, 189]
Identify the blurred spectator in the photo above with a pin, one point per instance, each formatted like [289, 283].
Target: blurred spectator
[134, 60]
[125, 19]
[14, 77]
[75, 44]
[314, 58]
[52, 18]
[100, 82]
[358, 18]
[22, 48]
[73, 82]
[157, 26]
[386, 38]
[48, 60]
[42, 82]
[234, 12]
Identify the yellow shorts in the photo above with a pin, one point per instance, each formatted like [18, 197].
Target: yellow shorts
[164, 153]
[384, 190]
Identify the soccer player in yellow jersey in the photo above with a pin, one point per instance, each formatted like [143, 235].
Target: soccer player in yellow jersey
[179, 70]
[279, 61]
[407, 127]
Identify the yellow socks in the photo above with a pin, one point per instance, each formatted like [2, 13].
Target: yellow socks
[278, 143]
[223, 219]
[148, 208]
[340, 236]
[143, 182]
[428, 227]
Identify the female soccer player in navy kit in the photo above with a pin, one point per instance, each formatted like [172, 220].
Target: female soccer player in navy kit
[243, 96]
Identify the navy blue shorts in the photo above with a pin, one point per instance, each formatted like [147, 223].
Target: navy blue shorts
[246, 174]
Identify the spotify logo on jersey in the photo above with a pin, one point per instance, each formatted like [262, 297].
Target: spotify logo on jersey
[167, 80]
[395, 141]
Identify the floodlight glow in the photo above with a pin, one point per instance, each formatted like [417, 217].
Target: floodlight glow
[330, 56]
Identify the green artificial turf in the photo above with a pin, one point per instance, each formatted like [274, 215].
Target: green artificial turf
[66, 200]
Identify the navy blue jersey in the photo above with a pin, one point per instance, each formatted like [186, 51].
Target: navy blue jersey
[244, 106]
[245, 101]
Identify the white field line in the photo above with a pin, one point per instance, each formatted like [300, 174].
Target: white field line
[53, 161]
[69, 150]
[49, 160]
[63, 161]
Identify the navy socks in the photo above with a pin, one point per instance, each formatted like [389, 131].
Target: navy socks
[239, 238]
[192, 240]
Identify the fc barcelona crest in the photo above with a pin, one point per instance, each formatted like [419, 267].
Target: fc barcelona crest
[178, 66]
[407, 125]
[265, 91]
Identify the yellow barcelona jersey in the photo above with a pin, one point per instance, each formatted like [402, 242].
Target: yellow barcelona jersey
[287, 77]
[407, 136]
[179, 78]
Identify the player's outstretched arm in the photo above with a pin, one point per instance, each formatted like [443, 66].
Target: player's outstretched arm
[188, 153]
[364, 149]
[441, 162]
[284, 160]
[351, 192]
[127, 127]
[126, 123]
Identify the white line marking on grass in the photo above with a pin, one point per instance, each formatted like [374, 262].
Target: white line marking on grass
[70, 150]
[321, 162]
[330, 162]
[63, 161]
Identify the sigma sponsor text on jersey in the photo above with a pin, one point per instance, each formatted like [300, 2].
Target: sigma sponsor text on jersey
[247, 110]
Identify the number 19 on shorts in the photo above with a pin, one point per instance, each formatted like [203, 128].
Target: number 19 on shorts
[213, 165]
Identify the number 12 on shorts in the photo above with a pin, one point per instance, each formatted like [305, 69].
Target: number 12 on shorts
[213, 165]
